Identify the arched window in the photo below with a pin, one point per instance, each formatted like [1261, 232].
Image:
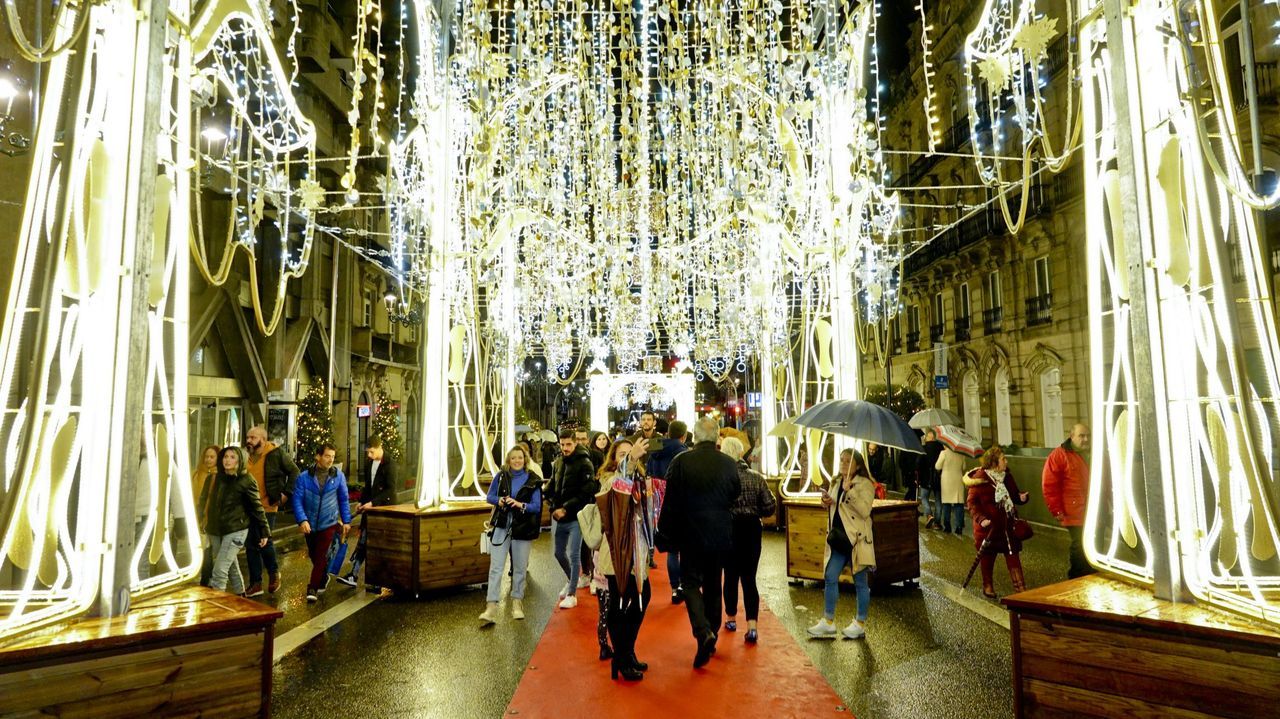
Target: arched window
[1003, 413]
[972, 405]
[1051, 406]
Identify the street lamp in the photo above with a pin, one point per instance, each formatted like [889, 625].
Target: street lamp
[399, 311]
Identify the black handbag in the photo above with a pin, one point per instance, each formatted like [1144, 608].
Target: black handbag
[837, 537]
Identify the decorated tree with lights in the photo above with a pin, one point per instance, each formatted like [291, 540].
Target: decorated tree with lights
[315, 421]
[386, 425]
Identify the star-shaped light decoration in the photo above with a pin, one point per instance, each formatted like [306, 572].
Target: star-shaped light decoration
[311, 195]
[995, 70]
[1035, 36]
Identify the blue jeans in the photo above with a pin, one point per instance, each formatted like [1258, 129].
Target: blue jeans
[953, 517]
[831, 586]
[673, 569]
[931, 502]
[568, 549]
[502, 546]
[226, 548]
[259, 557]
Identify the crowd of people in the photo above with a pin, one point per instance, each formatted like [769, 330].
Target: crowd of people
[240, 490]
[617, 501]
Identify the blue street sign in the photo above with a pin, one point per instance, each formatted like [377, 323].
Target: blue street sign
[942, 381]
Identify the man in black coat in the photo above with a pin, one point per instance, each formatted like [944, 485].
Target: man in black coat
[701, 486]
[379, 491]
[573, 487]
[929, 479]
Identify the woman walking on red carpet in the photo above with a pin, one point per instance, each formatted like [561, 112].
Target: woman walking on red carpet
[627, 528]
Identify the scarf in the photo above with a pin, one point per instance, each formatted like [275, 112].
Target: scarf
[1002, 492]
[625, 524]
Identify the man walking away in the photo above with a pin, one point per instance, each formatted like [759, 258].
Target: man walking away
[657, 464]
[380, 491]
[930, 480]
[275, 473]
[702, 485]
[1065, 483]
[573, 487]
[320, 505]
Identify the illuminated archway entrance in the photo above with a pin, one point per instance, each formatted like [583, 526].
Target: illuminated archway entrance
[603, 386]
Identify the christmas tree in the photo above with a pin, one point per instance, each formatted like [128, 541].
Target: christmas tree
[315, 422]
[386, 425]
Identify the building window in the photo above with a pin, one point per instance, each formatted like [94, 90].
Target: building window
[913, 328]
[1002, 409]
[993, 315]
[366, 309]
[962, 313]
[939, 319]
[1040, 304]
[1051, 404]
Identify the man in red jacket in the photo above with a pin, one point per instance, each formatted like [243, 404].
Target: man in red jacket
[1065, 483]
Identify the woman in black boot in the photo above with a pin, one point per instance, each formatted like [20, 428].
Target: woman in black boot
[625, 522]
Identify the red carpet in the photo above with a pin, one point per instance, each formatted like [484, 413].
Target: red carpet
[772, 679]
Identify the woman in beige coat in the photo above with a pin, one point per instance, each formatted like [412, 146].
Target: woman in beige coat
[849, 543]
[951, 465]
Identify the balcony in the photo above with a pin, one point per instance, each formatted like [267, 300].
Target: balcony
[1039, 310]
[935, 332]
[1266, 77]
[962, 329]
[913, 341]
[953, 139]
[992, 320]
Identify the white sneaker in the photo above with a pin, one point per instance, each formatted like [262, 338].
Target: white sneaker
[824, 629]
[517, 609]
[490, 614]
[571, 601]
[855, 630]
[584, 582]
[566, 591]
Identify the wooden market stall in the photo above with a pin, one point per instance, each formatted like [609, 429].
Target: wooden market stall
[412, 550]
[192, 651]
[1112, 648]
[897, 540]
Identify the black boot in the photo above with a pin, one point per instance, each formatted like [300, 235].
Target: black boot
[627, 671]
[605, 652]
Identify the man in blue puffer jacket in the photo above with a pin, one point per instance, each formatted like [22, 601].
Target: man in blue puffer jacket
[321, 508]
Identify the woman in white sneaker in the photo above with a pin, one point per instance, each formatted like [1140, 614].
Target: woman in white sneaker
[516, 496]
[849, 542]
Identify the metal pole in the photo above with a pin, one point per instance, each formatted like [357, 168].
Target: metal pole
[333, 319]
[113, 595]
[1132, 163]
[1251, 87]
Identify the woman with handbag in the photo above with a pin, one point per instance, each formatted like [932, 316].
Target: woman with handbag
[849, 543]
[996, 526]
[516, 496]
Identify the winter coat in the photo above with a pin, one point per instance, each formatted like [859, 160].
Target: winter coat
[527, 524]
[275, 473]
[659, 460]
[575, 485]
[231, 503]
[853, 509]
[1065, 484]
[927, 466]
[381, 489]
[951, 465]
[702, 485]
[754, 499]
[883, 467]
[321, 505]
[982, 505]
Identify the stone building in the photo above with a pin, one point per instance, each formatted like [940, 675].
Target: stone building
[335, 315]
[1004, 317]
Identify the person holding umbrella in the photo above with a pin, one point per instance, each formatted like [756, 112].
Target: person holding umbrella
[991, 500]
[849, 542]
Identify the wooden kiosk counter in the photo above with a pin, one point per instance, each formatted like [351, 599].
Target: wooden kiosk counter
[413, 550]
[1099, 647]
[897, 540]
[189, 652]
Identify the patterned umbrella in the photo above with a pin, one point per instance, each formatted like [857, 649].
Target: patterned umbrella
[958, 440]
[933, 417]
[861, 420]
